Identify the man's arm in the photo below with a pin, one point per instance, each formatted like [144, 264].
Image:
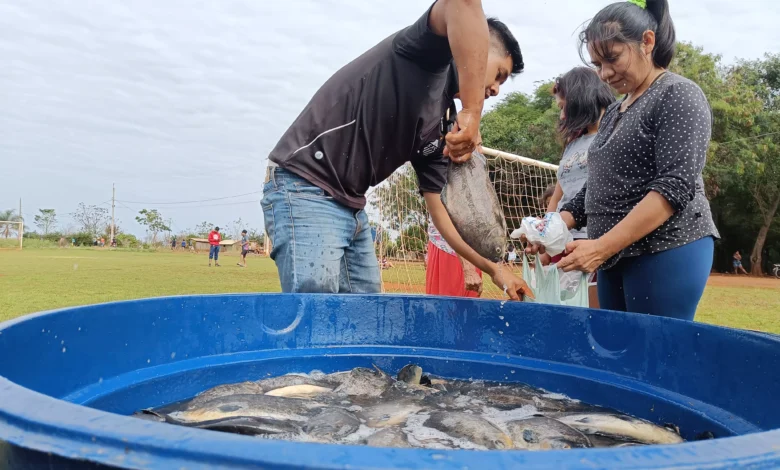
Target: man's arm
[503, 278]
[464, 24]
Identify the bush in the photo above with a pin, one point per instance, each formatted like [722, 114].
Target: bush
[82, 239]
[127, 240]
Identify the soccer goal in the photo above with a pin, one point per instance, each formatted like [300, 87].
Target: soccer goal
[11, 234]
[400, 219]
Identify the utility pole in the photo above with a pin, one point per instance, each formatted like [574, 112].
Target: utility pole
[21, 226]
[113, 198]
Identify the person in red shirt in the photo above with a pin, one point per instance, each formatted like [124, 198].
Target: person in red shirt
[214, 239]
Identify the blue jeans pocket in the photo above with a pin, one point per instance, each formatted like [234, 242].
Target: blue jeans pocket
[308, 190]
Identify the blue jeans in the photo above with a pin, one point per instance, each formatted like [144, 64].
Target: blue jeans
[318, 244]
[667, 284]
[214, 252]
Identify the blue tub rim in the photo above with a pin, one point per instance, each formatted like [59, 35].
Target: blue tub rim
[42, 423]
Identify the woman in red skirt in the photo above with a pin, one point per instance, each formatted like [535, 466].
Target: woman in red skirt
[447, 273]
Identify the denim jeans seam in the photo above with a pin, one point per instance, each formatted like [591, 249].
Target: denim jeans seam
[292, 240]
[346, 271]
[270, 208]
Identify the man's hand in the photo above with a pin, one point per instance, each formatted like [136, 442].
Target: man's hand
[464, 137]
[585, 256]
[515, 287]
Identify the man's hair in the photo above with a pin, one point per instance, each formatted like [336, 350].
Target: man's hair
[216, 228]
[243, 231]
[499, 31]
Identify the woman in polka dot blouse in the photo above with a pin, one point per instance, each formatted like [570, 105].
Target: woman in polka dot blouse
[650, 228]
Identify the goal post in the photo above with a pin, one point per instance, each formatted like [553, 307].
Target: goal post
[11, 234]
[398, 213]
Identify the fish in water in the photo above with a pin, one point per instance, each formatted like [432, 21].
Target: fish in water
[251, 426]
[388, 437]
[367, 406]
[620, 427]
[331, 424]
[272, 383]
[299, 391]
[257, 406]
[403, 390]
[471, 202]
[411, 374]
[365, 382]
[542, 433]
[389, 414]
[241, 388]
[470, 427]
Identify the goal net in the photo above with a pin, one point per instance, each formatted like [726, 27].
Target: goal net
[11, 234]
[400, 219]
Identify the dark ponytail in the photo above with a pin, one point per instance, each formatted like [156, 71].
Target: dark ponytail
[665, 36]
[626, 22]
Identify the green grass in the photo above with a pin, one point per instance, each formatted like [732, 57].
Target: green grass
[741, 307]
[41, 279]
[36, 280]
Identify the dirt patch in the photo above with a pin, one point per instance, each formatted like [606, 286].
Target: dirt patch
[397, 287]
[732, 280]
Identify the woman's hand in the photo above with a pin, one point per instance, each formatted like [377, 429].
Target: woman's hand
[472, 280]
[506, 280]
[585, 256]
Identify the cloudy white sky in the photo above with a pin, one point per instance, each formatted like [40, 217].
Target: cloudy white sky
[182, 100]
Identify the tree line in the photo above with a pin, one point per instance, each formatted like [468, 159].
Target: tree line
[93, 222]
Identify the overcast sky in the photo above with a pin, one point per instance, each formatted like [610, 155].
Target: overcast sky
[182, 100]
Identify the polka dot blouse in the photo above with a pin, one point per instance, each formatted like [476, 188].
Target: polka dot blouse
[658, 144]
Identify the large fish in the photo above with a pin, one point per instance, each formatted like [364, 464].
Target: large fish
[299, 391]
[251, 426]
[470, 427]
[245, 406]
[389, 414]
[620, 427]
[272, 383]
[365, 382]
[242, 388]
[472, 204]
[331, 424]
[542, 433]
[388, 437]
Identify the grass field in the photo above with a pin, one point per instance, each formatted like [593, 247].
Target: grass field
[35, 280]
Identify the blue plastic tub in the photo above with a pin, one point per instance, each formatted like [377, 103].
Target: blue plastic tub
[67, 377]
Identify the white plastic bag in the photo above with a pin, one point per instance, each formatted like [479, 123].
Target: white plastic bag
[550, 231]
[551, 285]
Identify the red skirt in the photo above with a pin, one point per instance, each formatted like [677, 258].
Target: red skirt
[444, 275]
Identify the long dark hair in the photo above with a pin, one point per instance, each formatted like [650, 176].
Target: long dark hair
[586, 96]
[626, 23]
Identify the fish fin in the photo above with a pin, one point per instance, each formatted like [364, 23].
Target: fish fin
[382, 373]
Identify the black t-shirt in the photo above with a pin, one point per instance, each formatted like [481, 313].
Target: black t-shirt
[378, 112]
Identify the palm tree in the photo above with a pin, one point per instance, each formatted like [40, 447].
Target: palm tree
[8, 216]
